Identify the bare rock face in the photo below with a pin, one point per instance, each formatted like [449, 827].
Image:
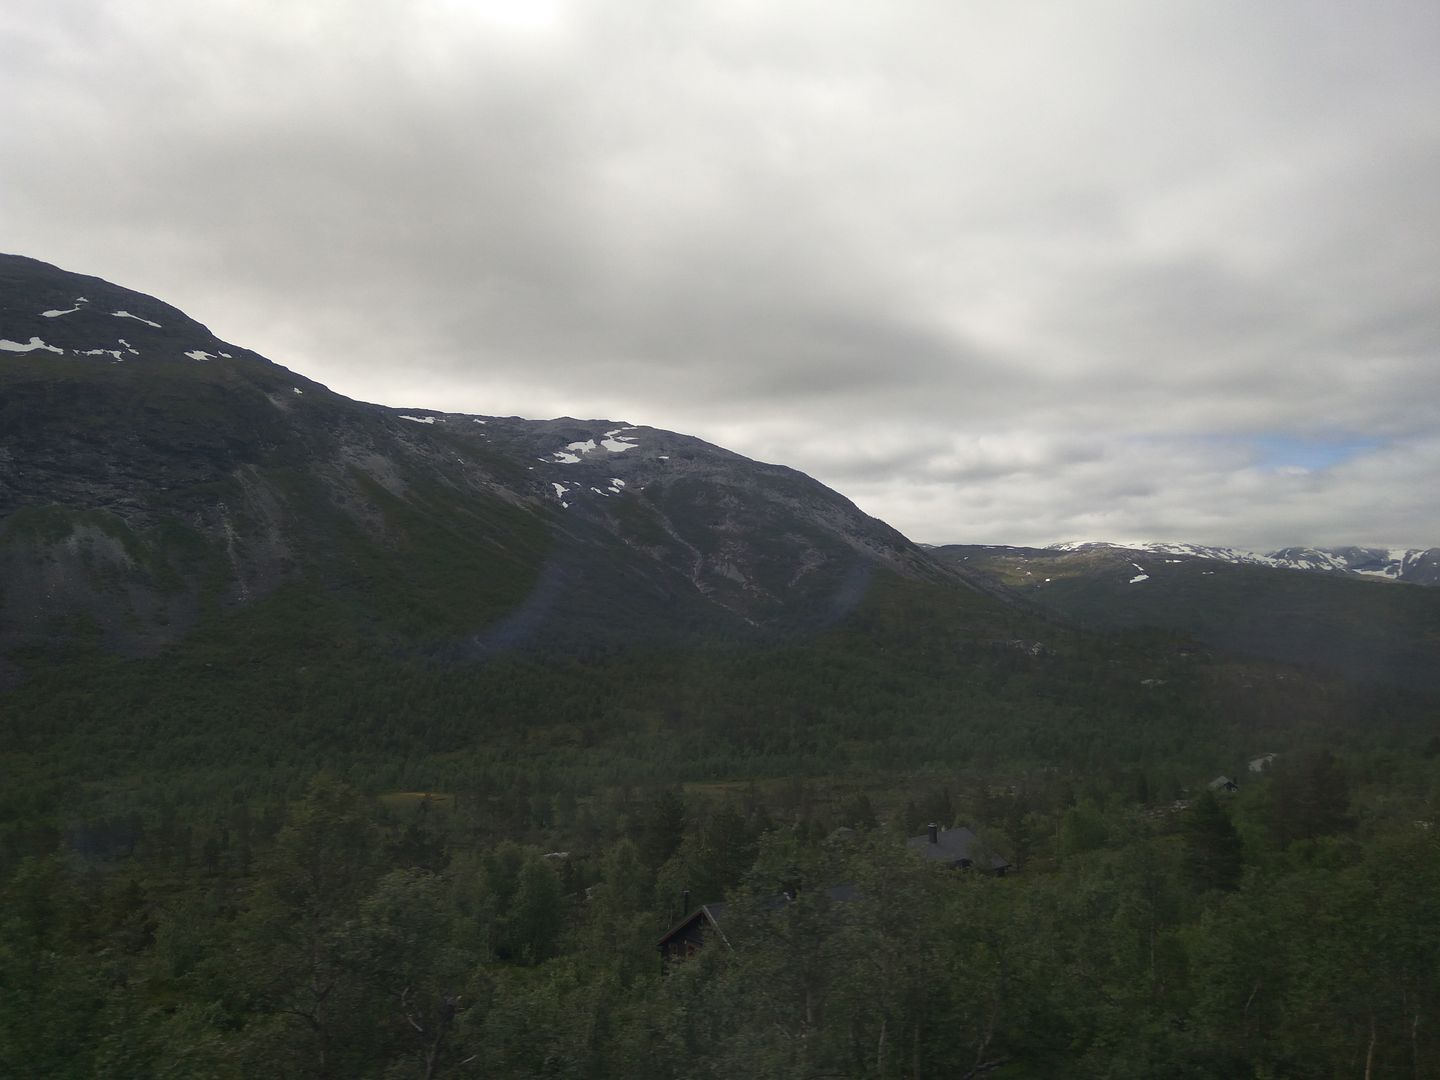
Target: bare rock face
[749, 536]
[152, 475]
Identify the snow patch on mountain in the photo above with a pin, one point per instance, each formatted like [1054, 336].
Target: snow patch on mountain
[614, 441]
[34, 343]
[137, 318]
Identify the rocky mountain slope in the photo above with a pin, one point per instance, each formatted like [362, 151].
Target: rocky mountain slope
[151, 473]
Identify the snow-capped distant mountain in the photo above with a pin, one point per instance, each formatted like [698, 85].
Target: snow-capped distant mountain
[1318, 608]
[1417, 566]
[1414, 566]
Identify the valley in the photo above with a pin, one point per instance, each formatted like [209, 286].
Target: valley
[348, 740]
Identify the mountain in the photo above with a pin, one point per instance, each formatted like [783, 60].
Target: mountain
[1346, 619]
[310, 700]
[217, 570]
[151, 474]
[1415, 566]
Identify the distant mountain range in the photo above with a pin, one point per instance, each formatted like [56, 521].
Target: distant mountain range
[1417, 566]
[1335, 609]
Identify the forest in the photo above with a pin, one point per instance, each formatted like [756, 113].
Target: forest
[295, 853]
[1289, 929]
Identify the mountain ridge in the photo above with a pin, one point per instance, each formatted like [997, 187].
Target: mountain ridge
[154, 477]
[1420, 566]
[151, 472]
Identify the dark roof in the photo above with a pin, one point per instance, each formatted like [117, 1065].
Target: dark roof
[712, 914]
[843, 894]
[951, 846]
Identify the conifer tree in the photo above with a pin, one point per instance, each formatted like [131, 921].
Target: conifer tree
[1213, 852]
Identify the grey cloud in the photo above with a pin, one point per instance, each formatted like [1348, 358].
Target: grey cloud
[997, 272]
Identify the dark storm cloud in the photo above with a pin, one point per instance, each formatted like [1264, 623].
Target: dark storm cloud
[998, 272]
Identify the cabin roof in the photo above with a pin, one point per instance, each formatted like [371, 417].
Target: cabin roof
[713, 914]
[709, 914]
[951, 846]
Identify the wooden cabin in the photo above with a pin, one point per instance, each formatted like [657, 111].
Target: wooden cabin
[690, 934]
[703, 925]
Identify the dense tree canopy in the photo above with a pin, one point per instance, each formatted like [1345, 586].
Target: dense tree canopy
[1138, 940]
[241, 861]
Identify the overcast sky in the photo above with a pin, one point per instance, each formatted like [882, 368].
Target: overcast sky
[1001, 272]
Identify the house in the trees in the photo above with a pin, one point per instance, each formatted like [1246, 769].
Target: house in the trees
[690, 934]
[957, 848]
[706, 923]
[1222, 785]
[1261, 763]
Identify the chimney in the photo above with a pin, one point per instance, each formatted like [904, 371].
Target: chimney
[934, 833]
[685, 903]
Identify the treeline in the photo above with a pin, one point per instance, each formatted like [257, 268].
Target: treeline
[1291, 929]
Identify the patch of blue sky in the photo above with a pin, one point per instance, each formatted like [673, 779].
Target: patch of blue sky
[1282, 452]
[1315, 454]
